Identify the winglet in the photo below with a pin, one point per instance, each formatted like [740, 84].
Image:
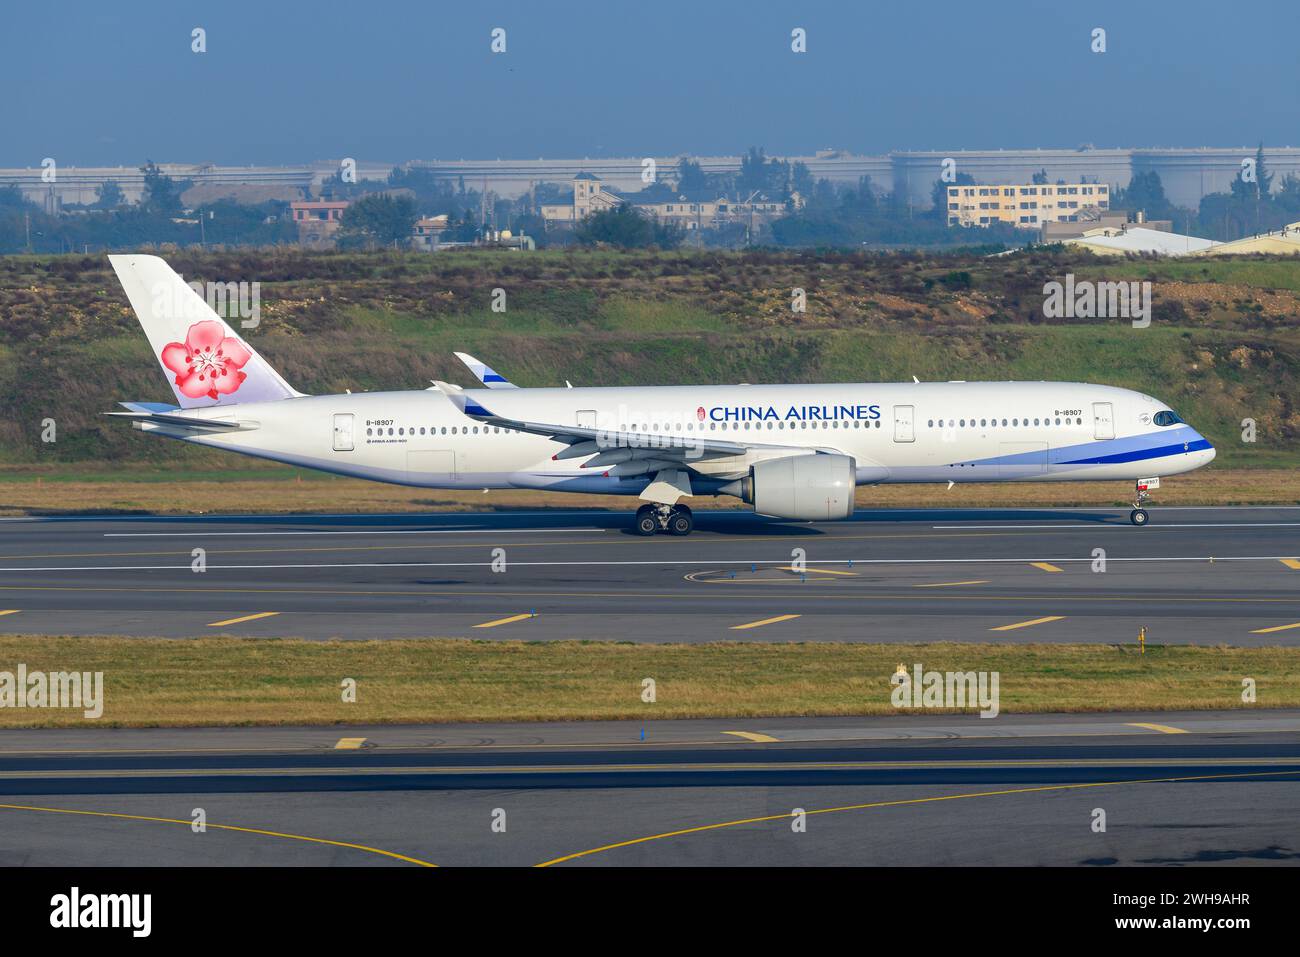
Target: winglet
[485, 373]
[461, 400]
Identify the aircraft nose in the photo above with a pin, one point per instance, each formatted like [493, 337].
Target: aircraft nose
[1207, 451]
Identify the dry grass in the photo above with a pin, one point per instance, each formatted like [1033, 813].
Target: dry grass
[37, 496]
[230, 681]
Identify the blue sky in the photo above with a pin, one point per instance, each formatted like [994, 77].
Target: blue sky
[285, 81]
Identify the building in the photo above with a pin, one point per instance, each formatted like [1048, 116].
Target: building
[1138, 239]
[690, 212]
[1284, 242]
[426, 232]
[74, 185]
[1187, 174]
[1026, 207]
[1096, 219]
[317, 221]
[589, 196]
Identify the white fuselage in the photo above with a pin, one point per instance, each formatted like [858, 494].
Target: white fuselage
[897, 432]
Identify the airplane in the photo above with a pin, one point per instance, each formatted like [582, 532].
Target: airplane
[793, 452]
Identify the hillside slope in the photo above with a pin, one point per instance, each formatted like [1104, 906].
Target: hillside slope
[1224, 343]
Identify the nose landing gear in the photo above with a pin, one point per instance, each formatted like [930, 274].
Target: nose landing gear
[1139, 514]
[673, 519]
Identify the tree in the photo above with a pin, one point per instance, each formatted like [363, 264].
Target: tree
[758, 174]
[109, 195]
[162, 194]
[1145, 192]
[801, 180]
[1263, 178]
[1040, 178]
[377, 220]
[690, 177]
[627, 227]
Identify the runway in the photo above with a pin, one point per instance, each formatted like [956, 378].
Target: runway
[1176, 789]
[1193, 575]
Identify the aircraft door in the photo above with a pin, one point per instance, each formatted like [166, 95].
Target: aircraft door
[343, 441]
[1103, 417]
[586, 418]
[904, 430]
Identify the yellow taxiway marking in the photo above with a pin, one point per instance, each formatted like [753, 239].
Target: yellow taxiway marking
[236, 621]
[1162, 728]
[1026, 624]
[221, 827]
[349, 744]
[1269, 631]
[1045, 566]
[900, 803]
[984, 581]
[1291, 562]
[9, 611]
[765, 621]
[819, 571]
[753, 736]
[502, 621]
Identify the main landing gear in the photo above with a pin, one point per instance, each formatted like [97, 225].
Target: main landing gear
[673, 519]
[1139, 514]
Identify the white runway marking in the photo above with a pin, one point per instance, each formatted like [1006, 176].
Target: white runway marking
[1080, 527]
[455, 530]
[780, 562]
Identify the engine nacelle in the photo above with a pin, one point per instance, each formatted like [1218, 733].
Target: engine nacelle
[810, 487]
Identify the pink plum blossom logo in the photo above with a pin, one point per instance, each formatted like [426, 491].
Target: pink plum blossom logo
[699, 413]
[208, 362]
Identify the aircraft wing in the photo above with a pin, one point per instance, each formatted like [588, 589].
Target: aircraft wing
[623, 453]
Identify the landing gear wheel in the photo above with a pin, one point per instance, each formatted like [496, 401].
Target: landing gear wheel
[647, 521]
[680, 521]
[1139, 514]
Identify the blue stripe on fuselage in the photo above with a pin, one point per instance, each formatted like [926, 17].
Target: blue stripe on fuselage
[1137, 455]
[1133, 448]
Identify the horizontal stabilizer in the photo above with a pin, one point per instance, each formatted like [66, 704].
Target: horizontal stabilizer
[170, 415]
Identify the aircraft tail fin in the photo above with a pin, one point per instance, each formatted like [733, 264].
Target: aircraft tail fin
[205, 361]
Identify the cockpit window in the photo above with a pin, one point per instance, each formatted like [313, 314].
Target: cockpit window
[1167, 418]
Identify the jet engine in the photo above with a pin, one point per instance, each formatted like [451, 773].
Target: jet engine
[810, 487]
